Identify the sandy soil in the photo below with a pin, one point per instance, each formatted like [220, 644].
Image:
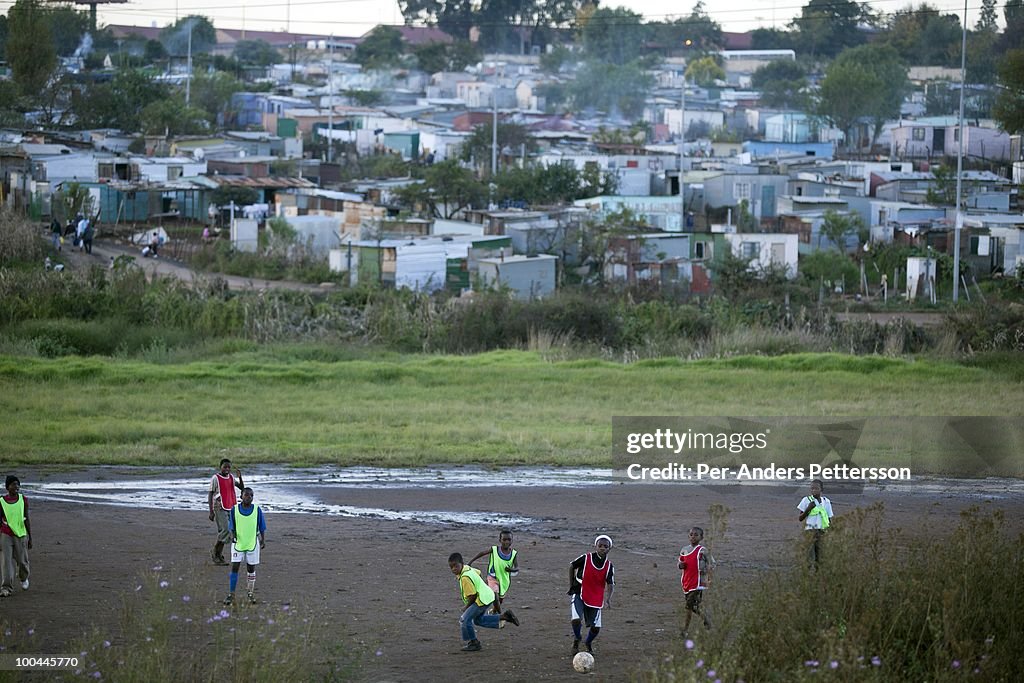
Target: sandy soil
[86, 556]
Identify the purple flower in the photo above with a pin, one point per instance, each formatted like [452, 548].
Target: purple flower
[711, 673]
[31, 631]
[977, 670]
[811, 662]
[955, 664]
[224, 614]
[157, 568]
[833, 664]
[380, 652]
[106, 643]
[700, 664]
[876, 661]
[164, 584]
[285, 608]
[270, 622]
[96, 674]
[185, 598]
[689, 644]
[173, 617]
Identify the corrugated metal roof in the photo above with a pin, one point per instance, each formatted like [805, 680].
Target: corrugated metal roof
[275, 182]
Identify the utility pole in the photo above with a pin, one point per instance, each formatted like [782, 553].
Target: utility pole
[188, 76]
[958, 226]
[494, 135]
[682, 149]
[330, 96]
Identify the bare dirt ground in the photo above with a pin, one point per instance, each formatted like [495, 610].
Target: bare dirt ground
[386, 587]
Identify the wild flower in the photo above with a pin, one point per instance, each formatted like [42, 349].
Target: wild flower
[833, 664]
[955, 664]
[164, 584]
[699, 664]
[185, 598]
[689, 644]
[876, 661]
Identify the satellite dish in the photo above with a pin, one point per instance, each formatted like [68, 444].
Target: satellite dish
[199, 153]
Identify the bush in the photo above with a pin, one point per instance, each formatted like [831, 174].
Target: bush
[20, 240]
[880, 607]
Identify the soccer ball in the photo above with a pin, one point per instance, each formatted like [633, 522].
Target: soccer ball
[583, 662]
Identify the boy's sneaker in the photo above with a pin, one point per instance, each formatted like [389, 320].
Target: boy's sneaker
[590, 648]
[252, 598]
[5, 592]
[472, 646]
[510, 617]
[575, 645]
[24, 585]
[230, 599]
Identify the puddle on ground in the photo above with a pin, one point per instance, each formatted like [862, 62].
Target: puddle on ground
[288, 490]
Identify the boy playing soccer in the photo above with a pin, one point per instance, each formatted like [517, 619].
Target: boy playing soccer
[502, 565]
[15, 537]
[589, 575]
[222, 489]
[476, 596]
[246, 527]
[696, 563]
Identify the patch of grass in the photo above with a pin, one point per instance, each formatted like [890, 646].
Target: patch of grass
[867, 613]
[169, 633]
[506, 407]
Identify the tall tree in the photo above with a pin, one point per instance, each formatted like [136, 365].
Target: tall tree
[454, 17]
[1013, 37]
[924, 36]
[827, 27]
[256, 52]
[616, 89]
[447, 188]
[30, 50]
[381, 49]
[863, 82]
[704, 71]
[477, 147]
[1009, 107]
[615, 36]
[782, 83]
[987, 17]
[69, 28]
[176, 36]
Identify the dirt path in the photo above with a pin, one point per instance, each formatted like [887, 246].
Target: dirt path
[386, 586]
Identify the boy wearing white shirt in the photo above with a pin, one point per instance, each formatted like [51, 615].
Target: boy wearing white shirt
[816, 514]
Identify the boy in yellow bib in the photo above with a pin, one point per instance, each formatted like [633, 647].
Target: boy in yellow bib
[477, 597]
[15, 537]
[247, 526]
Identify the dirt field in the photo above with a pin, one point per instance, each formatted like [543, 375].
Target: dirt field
[387, 587]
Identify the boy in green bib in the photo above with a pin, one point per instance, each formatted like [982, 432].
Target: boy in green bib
[502, 565]
[477, 597]
[15, 537]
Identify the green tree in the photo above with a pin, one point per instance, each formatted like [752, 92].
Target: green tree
[614, 35]
[827, 27]
[175, 37]
[30, 50]
[782, 83]
[256, 53]
[774, 39]
[987, 17]
[619, 89]
[838, 226]
[704, 72]
[68, 27]
[863, 82]
[4, 30]
[172, 117]
[117, 104]
[154, 52]
[551, 62]
[447, 188]
[922, 35]
[1009, 106]
[454, 17]
[1013, 37]
[477, 146]
[241, 196]
[437, 56]
[943, 192]
[212, 93]
[381, 49]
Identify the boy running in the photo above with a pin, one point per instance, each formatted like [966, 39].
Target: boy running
[502, 565]
[246, 527]
[476, 596]
[222, 488]
[15, 537]
[589, 575]
[696, 563]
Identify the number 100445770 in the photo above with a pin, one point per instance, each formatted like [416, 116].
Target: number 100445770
[29, 662]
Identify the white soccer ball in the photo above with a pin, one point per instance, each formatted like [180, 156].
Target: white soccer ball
[583, 662]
